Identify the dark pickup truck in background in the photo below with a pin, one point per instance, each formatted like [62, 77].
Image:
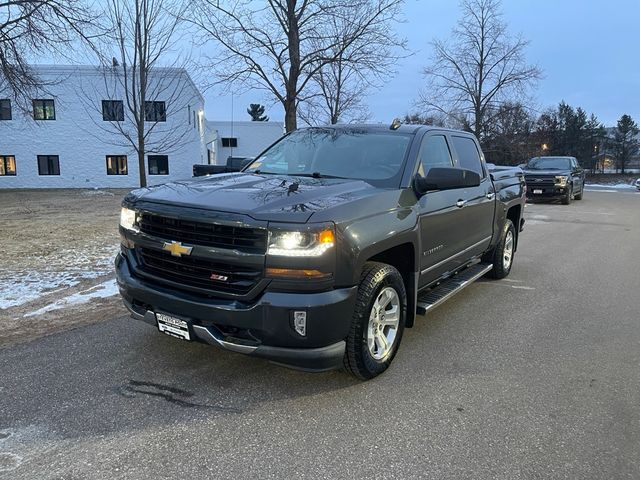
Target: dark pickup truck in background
[322, 250]
[554, 178]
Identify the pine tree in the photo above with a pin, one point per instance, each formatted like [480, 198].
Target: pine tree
[257, 113]
[627, 144]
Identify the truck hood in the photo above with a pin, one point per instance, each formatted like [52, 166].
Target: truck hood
[262, 197]
[546, 173]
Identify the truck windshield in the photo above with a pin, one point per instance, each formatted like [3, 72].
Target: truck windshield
[374, 156]
[549, 163]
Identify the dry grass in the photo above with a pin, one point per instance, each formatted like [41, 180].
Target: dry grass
[55, 243]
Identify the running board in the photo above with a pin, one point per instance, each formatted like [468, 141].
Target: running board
[449, 287]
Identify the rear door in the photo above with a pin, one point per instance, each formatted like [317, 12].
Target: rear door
[441, 221]
[476, 204]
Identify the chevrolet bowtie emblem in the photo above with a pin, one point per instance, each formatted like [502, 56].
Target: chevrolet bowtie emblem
[177, 249]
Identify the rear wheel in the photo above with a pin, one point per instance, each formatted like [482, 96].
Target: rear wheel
[378, 321]
[502, 254]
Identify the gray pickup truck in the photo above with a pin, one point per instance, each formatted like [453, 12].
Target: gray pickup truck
[325, 248]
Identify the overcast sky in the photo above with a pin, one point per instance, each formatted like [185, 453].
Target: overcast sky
[589, 51]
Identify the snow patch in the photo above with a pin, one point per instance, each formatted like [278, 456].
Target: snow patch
[65, 270]
[617, 185]
[102, 290]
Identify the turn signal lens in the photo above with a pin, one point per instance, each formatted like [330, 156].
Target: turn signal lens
[326, 236]
[295, 273]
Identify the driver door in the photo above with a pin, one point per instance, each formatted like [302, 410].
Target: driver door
[441, 220]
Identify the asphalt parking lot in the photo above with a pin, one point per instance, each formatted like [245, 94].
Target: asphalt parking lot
[534, 376]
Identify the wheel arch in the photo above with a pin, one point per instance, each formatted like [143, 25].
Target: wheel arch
[403, 258]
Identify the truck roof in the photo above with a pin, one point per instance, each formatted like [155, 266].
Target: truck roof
[403, 128]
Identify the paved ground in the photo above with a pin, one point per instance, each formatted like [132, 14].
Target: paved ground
[536, 376]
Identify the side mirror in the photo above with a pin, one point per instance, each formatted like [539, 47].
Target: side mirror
[445, 178]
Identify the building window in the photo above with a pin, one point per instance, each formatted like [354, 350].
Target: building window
[158, 164]
[117, 165]
[189, 114]
[7, 165]
[112, 111]
[230, 142]
[155, 112]
[5, 109]
[48, 165]
[44, 110]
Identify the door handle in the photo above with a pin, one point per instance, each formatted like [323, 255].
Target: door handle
[491, 195]
[461, 203]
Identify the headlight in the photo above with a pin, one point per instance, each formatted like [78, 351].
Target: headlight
[561, 180]
[128, 219]
[306, 242]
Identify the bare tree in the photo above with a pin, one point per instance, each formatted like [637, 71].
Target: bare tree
[280, 45]
[366, 63]
[36, 27]
[480, 69]
[143, 35]
[338, 93]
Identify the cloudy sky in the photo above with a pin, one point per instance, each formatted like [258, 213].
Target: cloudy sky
[589, 51]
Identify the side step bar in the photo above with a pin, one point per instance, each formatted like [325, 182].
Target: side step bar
[448, 288]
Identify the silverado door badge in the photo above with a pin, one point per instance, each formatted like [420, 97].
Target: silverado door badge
[176, 249]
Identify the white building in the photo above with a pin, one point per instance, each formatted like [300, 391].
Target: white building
[240, 139]
[75, 135]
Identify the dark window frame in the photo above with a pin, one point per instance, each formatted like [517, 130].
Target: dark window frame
[118, 160]
[423, 145]
[5, 108]
[111, 114]
[52, 164]
[4, 163]
[156, 158]
[154, 113]
[483, 171]
[231, 142]
[44, 102]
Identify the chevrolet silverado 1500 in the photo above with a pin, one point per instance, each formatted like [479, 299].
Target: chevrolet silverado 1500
[325, 248]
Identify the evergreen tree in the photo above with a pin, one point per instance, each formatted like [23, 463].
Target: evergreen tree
[626, 139]
[257, 113]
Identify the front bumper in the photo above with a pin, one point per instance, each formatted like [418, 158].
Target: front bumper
[546, 191]
[261, 328]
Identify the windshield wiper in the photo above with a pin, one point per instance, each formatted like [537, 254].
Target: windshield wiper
[314, 175]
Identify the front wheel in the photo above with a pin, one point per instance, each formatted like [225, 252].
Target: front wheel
[378, 321]
[566, 200]
[578, 196]
[502, 254]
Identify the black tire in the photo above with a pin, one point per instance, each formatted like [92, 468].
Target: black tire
[358, 359]
[578, 196]
[497, 255]
[566, 200]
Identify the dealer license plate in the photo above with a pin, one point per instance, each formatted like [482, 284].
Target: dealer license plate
[173, 326]
[537, 191]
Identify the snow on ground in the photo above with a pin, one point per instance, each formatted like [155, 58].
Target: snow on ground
[617, 185]
[56, 273]
[102, 290]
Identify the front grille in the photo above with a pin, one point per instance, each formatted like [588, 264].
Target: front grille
[196, 272]
[533, 182]
[245, 239]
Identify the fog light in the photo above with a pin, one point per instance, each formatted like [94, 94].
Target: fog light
[300, 323]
